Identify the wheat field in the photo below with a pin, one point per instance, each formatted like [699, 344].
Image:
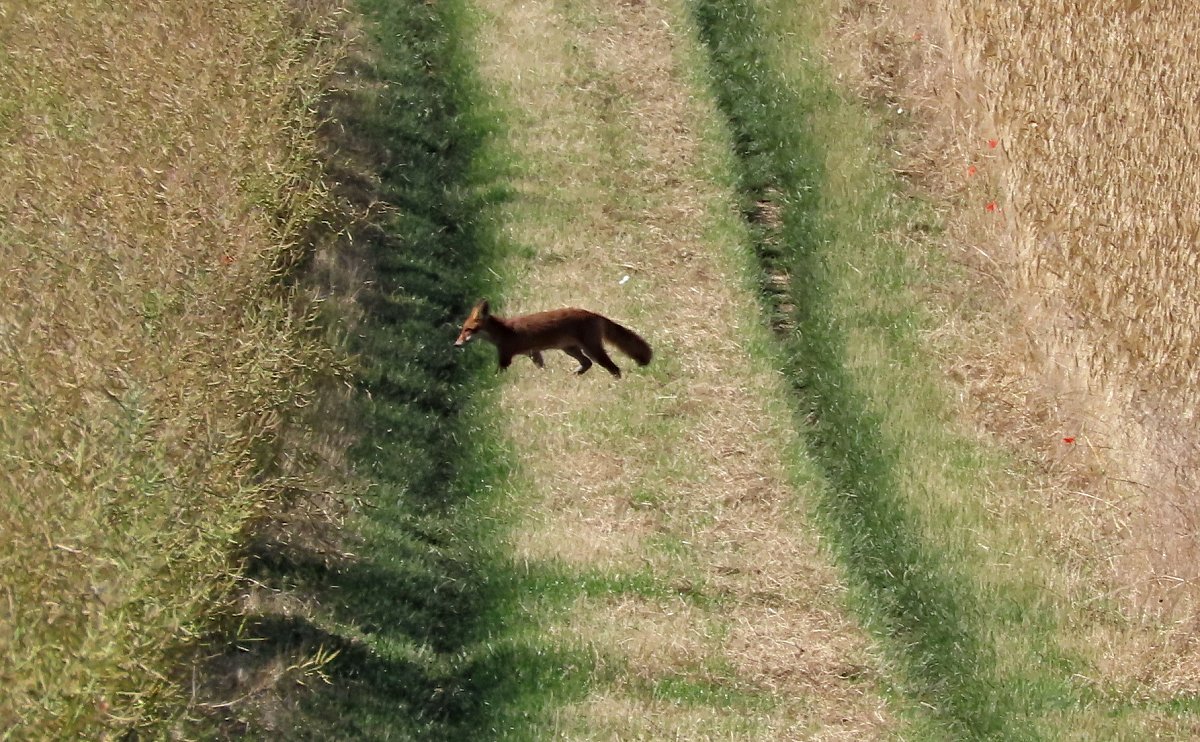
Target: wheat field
[1097, 114]
[1058, 139]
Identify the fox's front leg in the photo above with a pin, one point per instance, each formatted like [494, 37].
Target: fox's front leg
[537, 359]
[505, 361]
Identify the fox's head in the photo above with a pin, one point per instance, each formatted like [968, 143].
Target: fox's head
[474, 323]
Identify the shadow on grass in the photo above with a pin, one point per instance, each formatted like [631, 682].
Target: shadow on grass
[426, 618]
[421, 649]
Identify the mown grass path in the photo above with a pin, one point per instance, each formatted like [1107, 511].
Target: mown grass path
[644, 570]
[670, 502]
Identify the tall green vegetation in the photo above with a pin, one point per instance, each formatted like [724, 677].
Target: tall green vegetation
[155, 174]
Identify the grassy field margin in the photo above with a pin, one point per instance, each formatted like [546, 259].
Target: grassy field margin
[979, 652]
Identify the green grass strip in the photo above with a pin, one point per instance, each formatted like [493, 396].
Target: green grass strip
[426, 619]
[926, 607]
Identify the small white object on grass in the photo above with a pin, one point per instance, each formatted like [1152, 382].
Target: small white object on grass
[623, 280]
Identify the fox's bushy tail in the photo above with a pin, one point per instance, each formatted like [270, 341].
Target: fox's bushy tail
[628, 342]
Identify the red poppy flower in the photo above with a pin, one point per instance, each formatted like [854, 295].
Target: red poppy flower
[1069, 439]
[971, 170]
[993, 143]
[992, 207]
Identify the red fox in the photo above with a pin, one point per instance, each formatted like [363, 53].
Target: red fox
[577, 332]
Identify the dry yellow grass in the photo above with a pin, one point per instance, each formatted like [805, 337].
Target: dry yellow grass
[678, 468]
[1059, 141]
[154, 169]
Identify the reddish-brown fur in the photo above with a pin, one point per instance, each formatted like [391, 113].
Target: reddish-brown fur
[577, 332]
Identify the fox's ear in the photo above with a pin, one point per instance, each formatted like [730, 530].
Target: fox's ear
[482, 307]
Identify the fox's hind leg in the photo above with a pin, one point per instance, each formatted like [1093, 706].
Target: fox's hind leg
[597, 353]
[584, 362]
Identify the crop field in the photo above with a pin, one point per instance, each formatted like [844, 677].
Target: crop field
[155, 172]
[1057, 141]
[913, 458]
[1097, 116]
